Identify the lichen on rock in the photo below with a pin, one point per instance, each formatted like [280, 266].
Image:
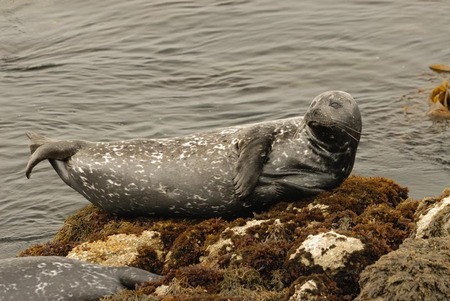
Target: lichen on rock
[327, 249]
[433, 217]
[118, 249]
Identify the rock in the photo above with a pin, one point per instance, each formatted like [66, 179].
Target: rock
[328, 250]
[418, 270]
[224, 244]
[305, 292]
[117, 250]
[433, 217]
[315, 287]
[281, 254]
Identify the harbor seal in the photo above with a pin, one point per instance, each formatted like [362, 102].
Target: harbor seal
[60, 278]
[222, 173]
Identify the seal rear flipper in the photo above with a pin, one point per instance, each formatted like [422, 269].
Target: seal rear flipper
[43, 148]
[253, 153]
[36, 140]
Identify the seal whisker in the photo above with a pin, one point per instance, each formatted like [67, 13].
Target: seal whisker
[346, 125]
[353, 137]
[347, 129]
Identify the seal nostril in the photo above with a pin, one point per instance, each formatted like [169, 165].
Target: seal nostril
[315, 112]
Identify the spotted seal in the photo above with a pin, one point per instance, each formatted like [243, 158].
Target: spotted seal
[227, 172]
[60, 278]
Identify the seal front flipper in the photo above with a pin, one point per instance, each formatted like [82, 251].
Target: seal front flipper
[44, 148]
[130, 277]
[292, 191]
[302, 183]
[253, 153]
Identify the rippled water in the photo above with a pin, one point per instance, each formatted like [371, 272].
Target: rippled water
[115, 70]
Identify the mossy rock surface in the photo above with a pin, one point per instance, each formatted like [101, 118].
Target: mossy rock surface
[270, 256]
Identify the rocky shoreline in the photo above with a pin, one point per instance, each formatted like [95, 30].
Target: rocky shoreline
[365, 240]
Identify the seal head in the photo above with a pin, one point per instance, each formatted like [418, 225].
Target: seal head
[333, 117]
[320, 155]
[334, 125]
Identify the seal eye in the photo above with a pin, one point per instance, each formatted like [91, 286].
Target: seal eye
[335, 105]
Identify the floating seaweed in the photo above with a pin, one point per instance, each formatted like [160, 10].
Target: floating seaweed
[440, 68]
[439, 101]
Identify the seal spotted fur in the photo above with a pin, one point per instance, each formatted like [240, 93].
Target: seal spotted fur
[59, 278]
[227, 172]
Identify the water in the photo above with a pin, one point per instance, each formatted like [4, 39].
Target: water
[115, 70]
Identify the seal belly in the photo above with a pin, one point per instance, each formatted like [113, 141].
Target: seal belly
[139, 176]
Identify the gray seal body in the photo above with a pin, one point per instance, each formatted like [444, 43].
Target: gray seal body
[60, 278]
[223, 173]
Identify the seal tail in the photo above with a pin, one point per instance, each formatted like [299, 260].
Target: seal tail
[43, 148]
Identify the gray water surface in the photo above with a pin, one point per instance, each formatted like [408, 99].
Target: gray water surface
[111, 70]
